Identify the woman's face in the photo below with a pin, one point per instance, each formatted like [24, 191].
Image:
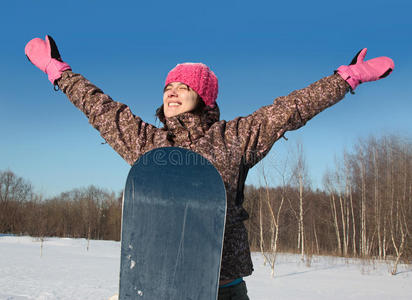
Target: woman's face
[178, 98]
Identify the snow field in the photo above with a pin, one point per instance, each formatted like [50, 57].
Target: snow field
[66, 270]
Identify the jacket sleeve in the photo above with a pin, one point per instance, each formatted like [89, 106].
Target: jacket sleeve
[255, 134]
[123, 131]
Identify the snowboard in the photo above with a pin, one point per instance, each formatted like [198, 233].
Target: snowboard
[174, 210]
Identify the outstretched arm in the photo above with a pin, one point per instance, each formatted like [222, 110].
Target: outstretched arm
[125, 132]
[256, 133]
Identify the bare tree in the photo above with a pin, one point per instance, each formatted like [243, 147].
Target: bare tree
[274, 207]
[300, 179]
[398, 216]
[14, 191]
[362, 167]
[327, 181]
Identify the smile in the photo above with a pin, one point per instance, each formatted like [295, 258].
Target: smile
[175, 104]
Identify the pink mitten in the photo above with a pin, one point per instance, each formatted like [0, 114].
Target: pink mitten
[45, 55]
[360, 71]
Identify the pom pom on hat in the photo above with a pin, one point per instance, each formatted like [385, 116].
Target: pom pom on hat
[197, 76]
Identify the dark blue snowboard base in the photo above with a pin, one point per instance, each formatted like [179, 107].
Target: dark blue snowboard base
[174, 210]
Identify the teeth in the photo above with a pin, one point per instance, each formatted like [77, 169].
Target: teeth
[174, 104]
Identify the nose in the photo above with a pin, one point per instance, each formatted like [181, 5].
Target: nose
[171, 92]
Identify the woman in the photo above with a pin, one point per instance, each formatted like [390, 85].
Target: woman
[191, 120]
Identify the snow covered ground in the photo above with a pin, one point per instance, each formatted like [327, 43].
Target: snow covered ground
[66, 270]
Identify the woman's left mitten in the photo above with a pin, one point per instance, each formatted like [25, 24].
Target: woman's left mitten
[360, 70]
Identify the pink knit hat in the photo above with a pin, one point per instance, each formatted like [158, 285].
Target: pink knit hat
[197, 76]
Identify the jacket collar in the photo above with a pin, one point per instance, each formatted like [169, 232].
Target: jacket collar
[196, 125]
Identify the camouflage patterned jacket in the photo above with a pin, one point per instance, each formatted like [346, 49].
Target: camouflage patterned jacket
[232, 146]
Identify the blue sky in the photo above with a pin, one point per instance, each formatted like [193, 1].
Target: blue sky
[259, 50]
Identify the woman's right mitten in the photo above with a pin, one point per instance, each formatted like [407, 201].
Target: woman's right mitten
[45, 55]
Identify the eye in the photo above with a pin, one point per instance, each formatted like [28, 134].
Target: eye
[183, 87]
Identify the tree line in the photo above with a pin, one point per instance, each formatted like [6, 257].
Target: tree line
[88, 212]
[363, 210]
